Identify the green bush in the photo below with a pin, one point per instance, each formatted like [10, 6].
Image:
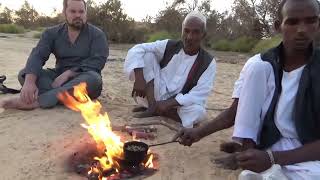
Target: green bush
[266, 44]
[11, 28]
[40, 29]
[242, 44]
[161, 35]
[222, 45]
[37, 35]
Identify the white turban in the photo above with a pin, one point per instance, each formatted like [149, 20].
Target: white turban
[198, 15]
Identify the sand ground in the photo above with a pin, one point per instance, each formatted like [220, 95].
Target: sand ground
[36, 144]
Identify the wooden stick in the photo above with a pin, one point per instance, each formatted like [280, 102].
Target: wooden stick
[159, 144]
[155, 123]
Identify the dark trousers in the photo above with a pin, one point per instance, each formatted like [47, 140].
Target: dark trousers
[48, 95]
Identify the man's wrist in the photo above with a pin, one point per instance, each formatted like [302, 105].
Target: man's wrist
[76, 69]
[138, 72]
[201, 131]
[172, 102]
[30, 79]
[271, 157]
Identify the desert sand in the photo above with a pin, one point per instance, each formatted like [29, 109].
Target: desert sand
[36, 144]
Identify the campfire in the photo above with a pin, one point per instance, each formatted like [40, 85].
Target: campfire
[118, 160]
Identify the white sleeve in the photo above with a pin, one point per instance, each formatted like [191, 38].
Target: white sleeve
[135, 56]
[239, 82]
[248, 121]
[200, 93]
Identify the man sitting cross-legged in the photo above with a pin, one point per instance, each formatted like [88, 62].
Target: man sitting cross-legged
[81, 52]
[176, 77]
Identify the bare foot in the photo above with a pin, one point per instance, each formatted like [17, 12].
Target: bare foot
[145, 114]
[17, 103]
[227, 162]
[139, 109]
[230, 147]
[150, 112]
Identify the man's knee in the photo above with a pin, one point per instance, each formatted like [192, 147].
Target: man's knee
[93, 79]
[94, 83]
[199, 110]
[21, 76]
[191, 114]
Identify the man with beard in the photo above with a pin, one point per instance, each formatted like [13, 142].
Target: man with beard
[80, 50]
[173, 78]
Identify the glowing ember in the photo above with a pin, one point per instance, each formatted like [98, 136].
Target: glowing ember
[99, 127]
[149, 163]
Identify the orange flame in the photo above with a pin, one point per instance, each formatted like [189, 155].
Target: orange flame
[149, 163]
[98, 125]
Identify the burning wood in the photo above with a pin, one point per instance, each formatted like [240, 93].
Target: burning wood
[138, 132]
[142, 135]
[113, 163]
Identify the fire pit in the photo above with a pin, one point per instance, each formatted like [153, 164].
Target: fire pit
[127, 170]
[116, 160]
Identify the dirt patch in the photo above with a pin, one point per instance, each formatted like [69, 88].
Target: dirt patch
[36, 144]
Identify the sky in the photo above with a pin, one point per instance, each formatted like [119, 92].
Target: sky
[137, 9]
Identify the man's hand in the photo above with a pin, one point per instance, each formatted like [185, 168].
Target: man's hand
[140, 85]
[161, 107]
[139, 88]
[253, 160]
[187, 136]
[64, 77]
[29, 91]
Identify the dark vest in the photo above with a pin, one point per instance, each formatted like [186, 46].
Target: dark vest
[306, 113]
[200, 65]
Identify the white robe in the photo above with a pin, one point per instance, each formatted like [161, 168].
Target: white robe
[255, 88]
[170, 80]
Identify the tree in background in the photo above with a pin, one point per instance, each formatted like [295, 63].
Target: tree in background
[6, 16]
[171, 17]
[111, 18]
[46, 21]
[255, 18]
[26, 15]
[169, 20]
[252, 19]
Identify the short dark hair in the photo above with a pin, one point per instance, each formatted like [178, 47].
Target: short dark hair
[65, 3]
[281, 5]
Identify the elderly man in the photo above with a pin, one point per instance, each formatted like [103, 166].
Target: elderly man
[80, 50]
[176, 77]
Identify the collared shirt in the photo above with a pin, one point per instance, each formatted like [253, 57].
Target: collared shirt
[88, 53]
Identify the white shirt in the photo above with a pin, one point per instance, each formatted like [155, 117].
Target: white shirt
[263, 81]
[174, 75]
[255, 88]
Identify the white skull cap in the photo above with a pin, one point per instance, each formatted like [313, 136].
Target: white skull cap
[198, 15]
